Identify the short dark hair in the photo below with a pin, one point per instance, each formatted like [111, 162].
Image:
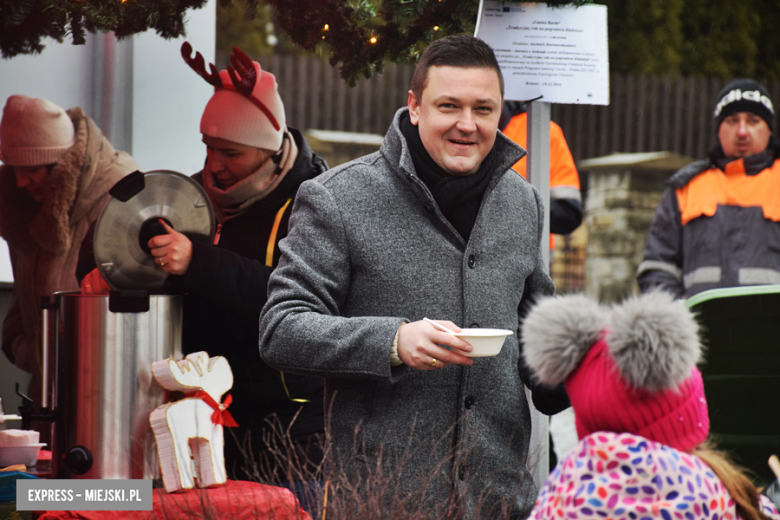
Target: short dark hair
[454, 51]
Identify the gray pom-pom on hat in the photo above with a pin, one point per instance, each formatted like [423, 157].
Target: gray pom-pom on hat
[654, 341]
[558, 332]
[652, 338]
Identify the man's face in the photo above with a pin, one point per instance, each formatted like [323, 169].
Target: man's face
[33, 179]
[742, 134]
[458, 116]
[231, 162]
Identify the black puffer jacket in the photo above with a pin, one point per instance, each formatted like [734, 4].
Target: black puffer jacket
[226, 290]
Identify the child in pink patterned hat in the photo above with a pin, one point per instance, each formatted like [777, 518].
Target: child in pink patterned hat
[641, 414]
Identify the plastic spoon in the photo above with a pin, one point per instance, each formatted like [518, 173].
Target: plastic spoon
[440, 327]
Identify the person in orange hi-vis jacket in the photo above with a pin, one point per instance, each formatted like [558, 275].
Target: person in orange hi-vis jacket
[718, 222]
[565, 199]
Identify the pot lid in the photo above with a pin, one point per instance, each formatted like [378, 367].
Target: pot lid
[131, 217]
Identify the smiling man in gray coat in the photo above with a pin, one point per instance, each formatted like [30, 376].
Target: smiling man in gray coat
[434, 224]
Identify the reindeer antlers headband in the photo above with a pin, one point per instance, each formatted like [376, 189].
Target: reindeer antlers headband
[243, 76]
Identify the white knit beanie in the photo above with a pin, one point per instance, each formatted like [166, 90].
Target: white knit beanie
[34, 132]
[230, 115]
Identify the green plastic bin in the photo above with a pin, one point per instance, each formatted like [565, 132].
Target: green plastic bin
[741, 371]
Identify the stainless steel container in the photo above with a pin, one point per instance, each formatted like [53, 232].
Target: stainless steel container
[104, 386]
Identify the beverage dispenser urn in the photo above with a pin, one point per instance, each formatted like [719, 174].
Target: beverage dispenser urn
[100, 348]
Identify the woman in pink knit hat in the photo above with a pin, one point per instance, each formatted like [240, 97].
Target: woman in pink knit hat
[641, 414]
[56, 172]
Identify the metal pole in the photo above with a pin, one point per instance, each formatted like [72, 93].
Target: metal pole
[47, 313]
[538, 170]
[538, 173]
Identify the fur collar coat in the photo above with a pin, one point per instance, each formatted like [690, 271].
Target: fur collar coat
[44, 238]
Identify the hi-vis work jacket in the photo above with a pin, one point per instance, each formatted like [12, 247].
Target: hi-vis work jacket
[565, 199]
[718, 225]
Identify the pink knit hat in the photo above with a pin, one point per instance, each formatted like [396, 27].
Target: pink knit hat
[246, 107]
[34, 132]
[630, 368]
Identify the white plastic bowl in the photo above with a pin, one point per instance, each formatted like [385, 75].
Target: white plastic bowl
[27, 455]
[486, 342]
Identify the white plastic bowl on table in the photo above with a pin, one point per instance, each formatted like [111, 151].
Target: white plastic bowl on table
[27, 455]
[6, 420]
[486, 342]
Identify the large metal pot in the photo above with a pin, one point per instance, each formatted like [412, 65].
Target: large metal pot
[105, 391]
[98, 350]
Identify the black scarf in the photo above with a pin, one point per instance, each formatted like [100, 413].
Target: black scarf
[754, 164]
[459, 197]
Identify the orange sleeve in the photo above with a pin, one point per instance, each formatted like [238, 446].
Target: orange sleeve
[516, 131]
[563, 172]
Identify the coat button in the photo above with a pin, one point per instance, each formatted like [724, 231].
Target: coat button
[428, 208]
[474, 325]
[462, 472]
[472, 261]
[469, 402]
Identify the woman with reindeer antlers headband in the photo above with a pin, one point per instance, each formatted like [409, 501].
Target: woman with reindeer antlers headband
[254, 166]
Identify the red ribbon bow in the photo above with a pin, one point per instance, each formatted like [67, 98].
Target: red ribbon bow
[220, 415]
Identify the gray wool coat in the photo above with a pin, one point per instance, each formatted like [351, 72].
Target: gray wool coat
[367, 250]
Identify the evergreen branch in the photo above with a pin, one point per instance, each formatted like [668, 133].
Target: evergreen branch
[360, 35]
[24, 23]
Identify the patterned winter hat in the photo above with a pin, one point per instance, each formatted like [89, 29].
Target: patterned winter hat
[630, 368]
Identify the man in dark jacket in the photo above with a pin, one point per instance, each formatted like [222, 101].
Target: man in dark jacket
[254, 166]
[718, 224]
[433, 224]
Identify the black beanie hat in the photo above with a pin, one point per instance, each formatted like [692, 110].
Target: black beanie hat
[744, 95]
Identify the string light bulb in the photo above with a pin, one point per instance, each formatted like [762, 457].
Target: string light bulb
[326, 27]
[373, 37]
[435, 27]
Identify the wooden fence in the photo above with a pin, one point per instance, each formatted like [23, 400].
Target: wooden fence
[645, 114]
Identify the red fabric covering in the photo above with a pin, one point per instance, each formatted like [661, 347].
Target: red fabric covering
[235, 500]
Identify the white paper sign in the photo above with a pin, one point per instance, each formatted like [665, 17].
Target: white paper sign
[6, 271]
[559, 53]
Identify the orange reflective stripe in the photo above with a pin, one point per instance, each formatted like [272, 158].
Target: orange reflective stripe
[269, 253]
[705, 192]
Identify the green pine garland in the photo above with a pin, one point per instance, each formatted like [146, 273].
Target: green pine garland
[361, 35]
[23, 23]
